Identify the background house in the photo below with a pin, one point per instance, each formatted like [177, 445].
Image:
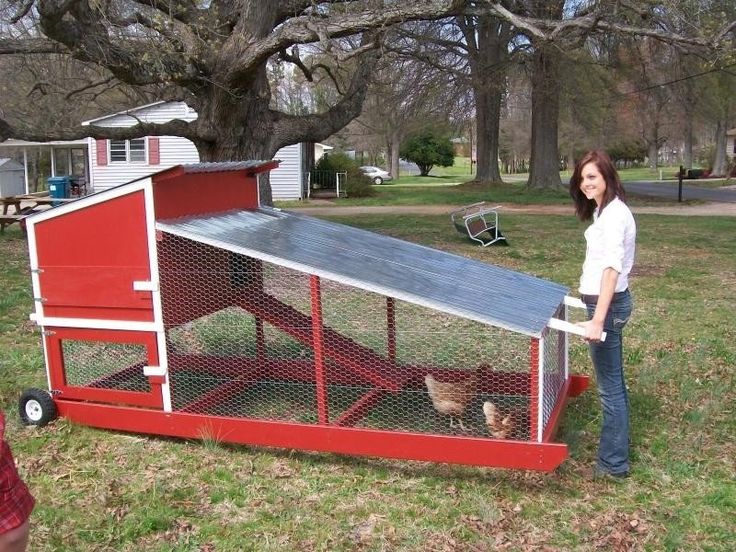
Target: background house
[104, 163]
[731, 143]
[114, 162]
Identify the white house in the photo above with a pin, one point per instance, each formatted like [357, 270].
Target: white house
[731, 143]
[114, 162]
[106, 163]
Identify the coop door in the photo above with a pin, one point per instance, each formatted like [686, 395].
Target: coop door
[108, 366]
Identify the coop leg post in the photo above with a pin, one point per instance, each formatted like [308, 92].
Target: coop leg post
[534, 387]
[391, 329]
[319, 363]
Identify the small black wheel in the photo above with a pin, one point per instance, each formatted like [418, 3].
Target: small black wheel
[378, 180]
[36, 407]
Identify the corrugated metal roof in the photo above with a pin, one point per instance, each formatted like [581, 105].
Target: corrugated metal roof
[223, 166]
[389, 266]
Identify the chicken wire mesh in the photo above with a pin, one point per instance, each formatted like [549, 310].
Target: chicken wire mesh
[105, 365]
[243, 340]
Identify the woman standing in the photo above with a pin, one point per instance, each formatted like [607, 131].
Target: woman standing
[16, 502]
[604, 287]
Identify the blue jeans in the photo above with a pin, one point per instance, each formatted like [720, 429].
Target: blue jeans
[608, 360]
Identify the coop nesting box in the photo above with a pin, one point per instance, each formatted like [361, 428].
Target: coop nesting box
[181, 307]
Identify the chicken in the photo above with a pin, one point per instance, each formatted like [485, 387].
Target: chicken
[452, 398]
[501, 425]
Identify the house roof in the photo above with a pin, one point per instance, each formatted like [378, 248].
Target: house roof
[123, 112]
[731, 132]
[373, 262]
[8, 163]
[13, 143]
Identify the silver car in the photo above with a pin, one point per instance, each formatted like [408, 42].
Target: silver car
[376, 174]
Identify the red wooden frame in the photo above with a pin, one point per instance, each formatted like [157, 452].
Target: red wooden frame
[343, 440]
[57, 375]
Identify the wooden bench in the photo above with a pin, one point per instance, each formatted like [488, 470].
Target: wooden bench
[479, 222]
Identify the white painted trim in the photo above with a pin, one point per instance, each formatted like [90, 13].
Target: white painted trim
[574, 302]
[25, 169]
[144, 285]
[154, 371]
[158, 317]
[569, 327]
[95, 324]
[540, 388]
[566, 344]
[88, 201]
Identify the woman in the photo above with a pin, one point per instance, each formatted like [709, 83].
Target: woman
[16, 502]
[598, 195]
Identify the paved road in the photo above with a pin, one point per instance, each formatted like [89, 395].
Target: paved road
[669, 190]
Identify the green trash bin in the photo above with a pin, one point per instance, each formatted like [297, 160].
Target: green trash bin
[59, 187]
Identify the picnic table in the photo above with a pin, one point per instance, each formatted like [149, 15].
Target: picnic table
[24, 205]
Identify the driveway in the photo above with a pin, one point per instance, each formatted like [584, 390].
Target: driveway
[704, 209]
[669, 190]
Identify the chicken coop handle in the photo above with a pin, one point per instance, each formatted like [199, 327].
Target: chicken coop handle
[569, 327]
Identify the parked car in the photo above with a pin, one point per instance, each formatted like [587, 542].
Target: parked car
[377, 175]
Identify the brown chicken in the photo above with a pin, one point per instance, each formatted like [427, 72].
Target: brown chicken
[501, 425]
[452, 398]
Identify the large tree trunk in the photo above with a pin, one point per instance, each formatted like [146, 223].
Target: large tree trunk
[720, 163]
[687, 144]
[487, 116]
[395, 146]
[545, 158]
[653, 150]
[487, 38]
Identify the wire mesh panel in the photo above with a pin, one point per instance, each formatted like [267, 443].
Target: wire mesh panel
[251, 339]
[553, 368]
[105, 365]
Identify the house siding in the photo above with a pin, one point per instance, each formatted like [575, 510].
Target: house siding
[174, 150]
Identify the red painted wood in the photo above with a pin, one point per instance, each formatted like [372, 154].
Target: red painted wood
[178, 194]
[578, 384]
[89, 259]
[343, 440]
[101, 151]
[319, 363]
[342, 350]
[360, 408]
[93, 391]
[218, 396]
[391, 329]
[534, 398]
[154, 153]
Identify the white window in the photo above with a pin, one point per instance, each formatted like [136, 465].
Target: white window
[128, 151]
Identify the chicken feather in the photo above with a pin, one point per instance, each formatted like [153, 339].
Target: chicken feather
[452, 398]
[501, 425]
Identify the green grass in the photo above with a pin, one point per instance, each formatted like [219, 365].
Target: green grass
[99, 490]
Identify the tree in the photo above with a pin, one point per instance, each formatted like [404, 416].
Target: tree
[427, 150]
[214, 56]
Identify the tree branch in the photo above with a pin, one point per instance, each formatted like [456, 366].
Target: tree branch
[31, 46]
[175, 127]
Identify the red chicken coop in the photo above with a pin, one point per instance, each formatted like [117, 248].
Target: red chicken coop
[177, 305]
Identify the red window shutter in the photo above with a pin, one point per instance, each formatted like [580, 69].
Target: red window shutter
[101, 152]
[154, 156]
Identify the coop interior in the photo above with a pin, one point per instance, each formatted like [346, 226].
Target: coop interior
[244, 340]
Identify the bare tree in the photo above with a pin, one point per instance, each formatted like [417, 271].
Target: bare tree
[214, 56]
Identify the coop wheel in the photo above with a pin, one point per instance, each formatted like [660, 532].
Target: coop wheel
[36, 407]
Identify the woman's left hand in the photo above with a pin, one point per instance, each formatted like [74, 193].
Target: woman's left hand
[593, 330]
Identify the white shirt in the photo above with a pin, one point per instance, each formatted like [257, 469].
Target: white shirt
[610, 243]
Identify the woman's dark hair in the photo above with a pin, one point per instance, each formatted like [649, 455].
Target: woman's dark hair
[585, 207]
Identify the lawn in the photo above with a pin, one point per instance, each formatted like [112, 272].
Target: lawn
[100, 490]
